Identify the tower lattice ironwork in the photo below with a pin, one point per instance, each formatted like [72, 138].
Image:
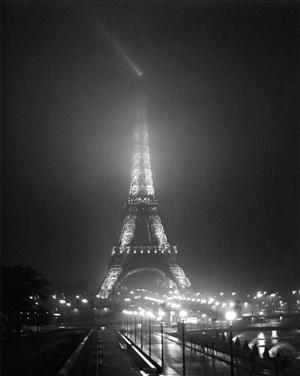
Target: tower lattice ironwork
[142, 204]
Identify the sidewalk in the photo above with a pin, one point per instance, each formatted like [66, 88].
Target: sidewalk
[106, 357]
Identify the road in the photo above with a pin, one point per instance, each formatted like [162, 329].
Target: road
[196, 363]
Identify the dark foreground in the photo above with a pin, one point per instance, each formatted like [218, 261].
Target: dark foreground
[106, 351]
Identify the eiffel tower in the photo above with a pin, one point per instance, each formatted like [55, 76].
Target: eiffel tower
[142, 208]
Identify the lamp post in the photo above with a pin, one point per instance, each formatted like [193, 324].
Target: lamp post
[135, 313]
[182, 315]
[125, 324]
[261, 317]
[162, 343]
[149, 329]
[161, 314]
[230, 316]
[141, 315]
[203, 320]
[150, 315]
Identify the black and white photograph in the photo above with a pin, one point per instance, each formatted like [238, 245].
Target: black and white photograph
[150, 188]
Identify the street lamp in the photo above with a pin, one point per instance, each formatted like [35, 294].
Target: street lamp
[135, 313]
[150, 316]
[261, 317]
[182, 315]
[203, 320]
[141, 313]
[161, 314]
[230, 316]
[129, 323]
[125, 324]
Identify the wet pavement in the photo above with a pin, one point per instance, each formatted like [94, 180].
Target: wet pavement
[107, 358]
[197, 364]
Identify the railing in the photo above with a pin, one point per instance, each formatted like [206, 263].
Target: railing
[170, 249]
[142, 199]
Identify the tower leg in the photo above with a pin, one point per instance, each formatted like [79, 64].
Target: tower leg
[179, 276]
[110, 281]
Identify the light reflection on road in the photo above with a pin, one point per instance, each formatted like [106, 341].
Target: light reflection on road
[196, 363]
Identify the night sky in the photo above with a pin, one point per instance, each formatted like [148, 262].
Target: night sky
[221, 83]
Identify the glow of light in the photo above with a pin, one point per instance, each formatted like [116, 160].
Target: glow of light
[62, 301]
[84, 301]
[259, 294]
[192, 320]
[246, 304]
[77, 297]
[233, 293]
[153, 299]
[221, 293]
[294, 292]
[127, 299]
[274, 334]
[54, 296]
[56, 314]
[211, 300]
[69, 304]
[174, 305]
[231, 304]
[230, 315]
[203, 315]
[150, 314]
[182, 314]
[261, 343]
[121, 51]
[141, 311]
[161, 313]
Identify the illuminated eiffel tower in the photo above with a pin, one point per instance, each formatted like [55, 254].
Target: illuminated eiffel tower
[142, 208]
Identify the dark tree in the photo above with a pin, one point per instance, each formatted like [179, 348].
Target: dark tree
[24, 297]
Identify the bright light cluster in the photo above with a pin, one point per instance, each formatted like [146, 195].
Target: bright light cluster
[141, 174]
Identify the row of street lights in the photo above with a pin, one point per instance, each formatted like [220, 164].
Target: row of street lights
[142, 314]
[230, 316]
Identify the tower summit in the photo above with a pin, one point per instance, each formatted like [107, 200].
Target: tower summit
[142, 207]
